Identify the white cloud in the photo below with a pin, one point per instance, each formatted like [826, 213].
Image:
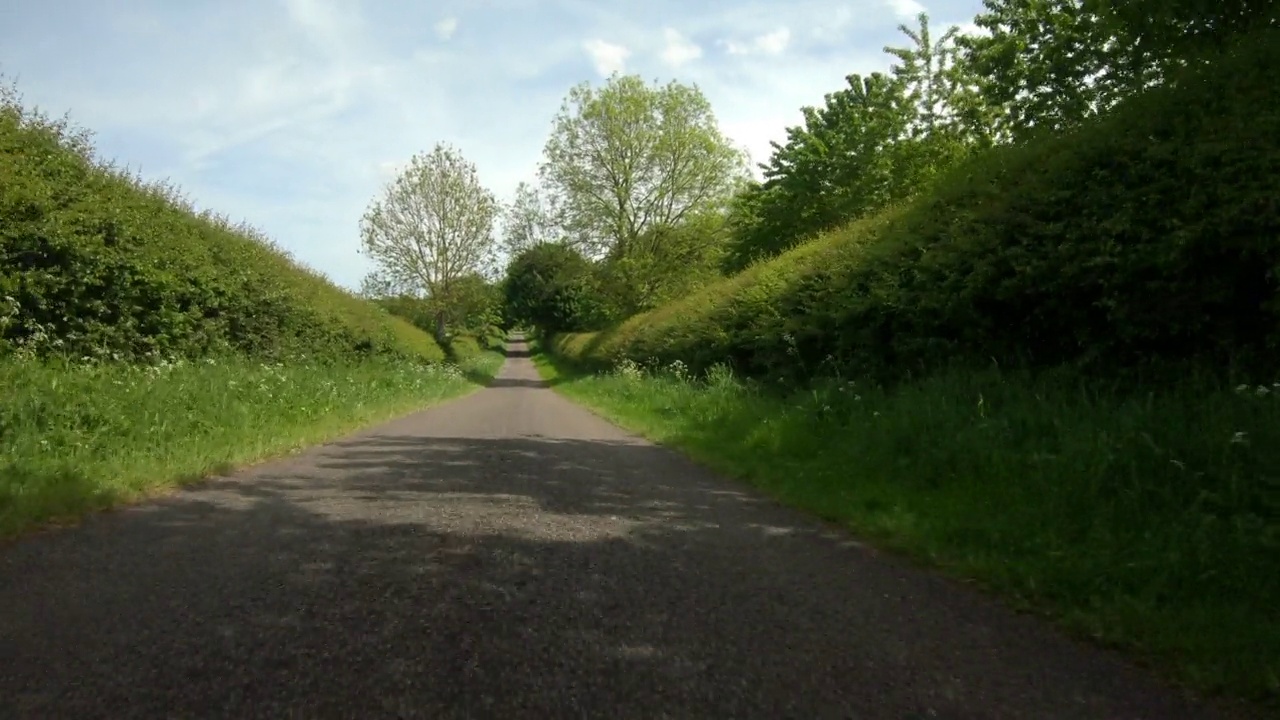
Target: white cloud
[446, 28]
[774, 43]
[770, 43]
[679, 49]
[607, 57]
[302, 109]
[906, 8]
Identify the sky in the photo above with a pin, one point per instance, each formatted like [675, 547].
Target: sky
[293, 114]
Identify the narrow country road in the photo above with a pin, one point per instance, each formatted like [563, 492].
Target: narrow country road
[511, 555]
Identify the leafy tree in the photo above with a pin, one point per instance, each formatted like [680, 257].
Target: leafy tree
[477, 303]
[432, 228]
[878, 141]
[944, 88]
[751, 224]
[923, 69]
[664, 263]
[1050, 64]
[838, 166]
[551, 286]
[1176, 29]
[528, 220]
[627, 158]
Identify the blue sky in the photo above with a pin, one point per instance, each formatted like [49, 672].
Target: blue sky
[290, 114]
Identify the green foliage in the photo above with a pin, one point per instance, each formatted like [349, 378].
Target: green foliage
[551, 286]
[879, 141]
[479, 303]
[1047, 66]
[78, 437]
[475, 306]
[1141, 519]
[528, 220]
[95, 262]
[1040, 334]
[431, 233]
[663, 264]
[627, 158]
[1184, 28]
[1149, 235]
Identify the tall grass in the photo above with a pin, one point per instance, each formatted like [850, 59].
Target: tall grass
[77, 437]
[1143, 520]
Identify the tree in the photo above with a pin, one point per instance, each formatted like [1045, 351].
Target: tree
[627, 158]
[664, 263]
[432, 227]
[1172, 30]
[923, 68]
[879, 140]
[476, 305]
[1050, 64]
[528, 220]
[477, 302]
[551, 286]
[851, 157]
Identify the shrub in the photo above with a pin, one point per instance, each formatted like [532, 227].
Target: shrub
[1152, 234]
[95, 262]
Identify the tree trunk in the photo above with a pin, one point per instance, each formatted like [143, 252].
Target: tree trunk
[440, 338]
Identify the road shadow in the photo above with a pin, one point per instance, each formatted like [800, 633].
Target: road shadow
[392, 575]
[501, 382]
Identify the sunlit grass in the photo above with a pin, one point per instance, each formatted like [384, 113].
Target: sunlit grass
[1147, 521]
[75, 438]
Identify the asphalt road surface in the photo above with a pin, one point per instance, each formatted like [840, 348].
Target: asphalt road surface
[505, 555]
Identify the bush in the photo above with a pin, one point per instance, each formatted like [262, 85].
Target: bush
[1152, 234]
[95, 262]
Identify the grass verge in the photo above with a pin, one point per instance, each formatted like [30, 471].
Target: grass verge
[79, 438]
[1142, 521]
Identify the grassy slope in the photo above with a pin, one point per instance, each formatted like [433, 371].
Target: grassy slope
[1149, 233]
[96, 262]
[143, 343]
[1102, 511]
[80, 438]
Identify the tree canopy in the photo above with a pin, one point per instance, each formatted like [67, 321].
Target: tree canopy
[432, 227]
[626, 158]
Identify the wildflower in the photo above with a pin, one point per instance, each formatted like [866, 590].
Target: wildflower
[678, 369]
[628, 369]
